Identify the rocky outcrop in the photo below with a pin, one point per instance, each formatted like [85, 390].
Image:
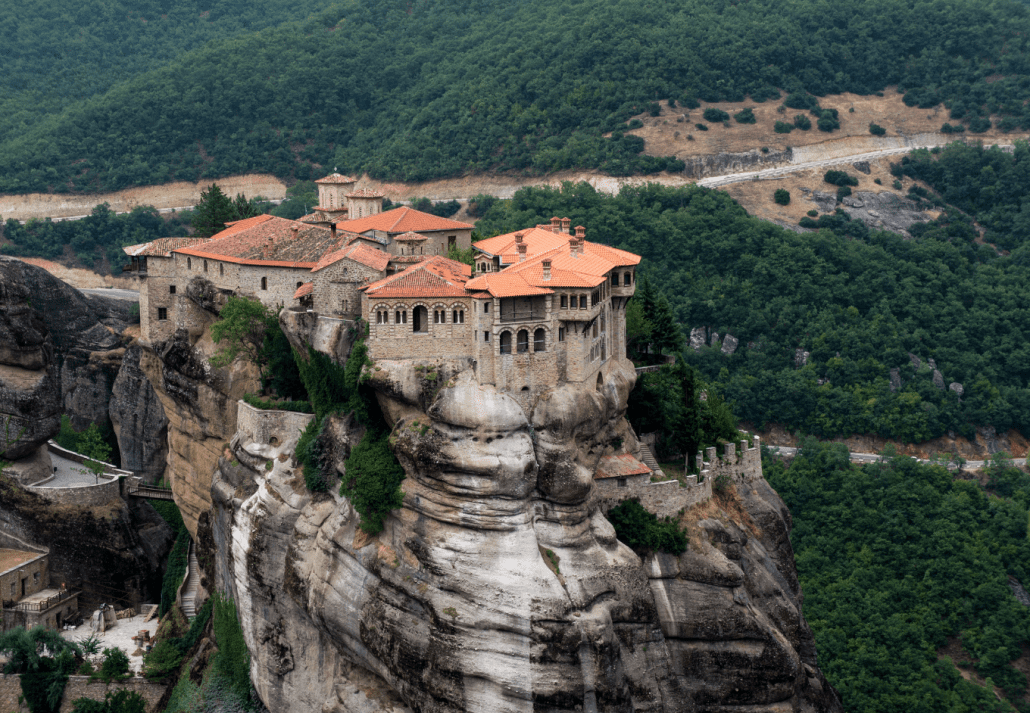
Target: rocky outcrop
[30, 398]
[139, 420]
[723, 163]
[499, 585]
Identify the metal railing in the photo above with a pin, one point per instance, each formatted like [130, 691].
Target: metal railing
[149, 491]
[524, 315]
[43, 604]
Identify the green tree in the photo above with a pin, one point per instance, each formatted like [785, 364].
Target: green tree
[782, 196]
[240, 330]
[214, 210]
[92, 445]
[666, 334]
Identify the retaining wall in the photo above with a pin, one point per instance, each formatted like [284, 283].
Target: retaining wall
[83, 495]
[665, 499]
[79, 687]
[256, 428]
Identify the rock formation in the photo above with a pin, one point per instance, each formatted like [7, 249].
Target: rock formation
[139, 420]
[457, 605]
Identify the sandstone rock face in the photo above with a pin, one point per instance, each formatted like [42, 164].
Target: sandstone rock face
[199, 403]
[139, 420]
[729, 344]
[30, 397]
[697, 338]
[456, 605]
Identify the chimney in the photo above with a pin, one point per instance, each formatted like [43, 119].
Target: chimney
[581, 233]
[565, 223]
[518, 238]
[296, 229]
[555, 224]
[522, 248]
[547, 269]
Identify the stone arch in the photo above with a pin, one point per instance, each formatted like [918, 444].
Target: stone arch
[600, 381]
[505, 342]
[189, 263]
[221, 270]
[439, 313]
[420, 319]
[522, 341]
[264, 283]
[540, 340]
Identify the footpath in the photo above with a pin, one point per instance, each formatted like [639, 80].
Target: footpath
[874, 457]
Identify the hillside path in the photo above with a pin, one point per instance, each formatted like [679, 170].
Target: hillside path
[873, 457]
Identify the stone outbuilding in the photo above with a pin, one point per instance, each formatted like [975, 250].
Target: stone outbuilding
[621, 471]
[27, 597]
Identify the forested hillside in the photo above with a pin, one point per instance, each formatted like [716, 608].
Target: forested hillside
[413, 90]
[858, 301]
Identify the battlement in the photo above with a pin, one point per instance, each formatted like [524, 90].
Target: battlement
[743, 464]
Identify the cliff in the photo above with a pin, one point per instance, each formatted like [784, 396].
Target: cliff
[456, 605]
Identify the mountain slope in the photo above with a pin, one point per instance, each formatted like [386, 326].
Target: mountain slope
[415, 90]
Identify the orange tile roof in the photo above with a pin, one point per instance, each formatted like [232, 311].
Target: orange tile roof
[359, 253]
[501, 284]
[304, 290]
[402, 220]
[337, 178]
[419, 237]
[272, 241]
[616, 256]
[366, 193]
[161, 247]
[435, 277]
[620, 466]
[537, 240]
[409, 258]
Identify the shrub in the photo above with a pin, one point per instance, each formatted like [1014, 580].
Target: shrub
[807, 222]
[876, 129]
[813, 213]
[715, 116]
[843, 192]
[654, 109]
[840, 178]
[643, 531]
[373, 480]
[175, 571]
[745, 116]
[802, 122]
[120, 702]
[162, 660]
[949, 129]
[801, 100]
[265, 404]
[721, 484]
[690, 102]
[765, 149]
[701, 127]
[115, 665]
[782, 196]
[979, 124]
[782, 127]
[828, 120]
[877, 181]
[634, 124]
[765, 93]
[896, 185]
[232, 662]
[672, 103]
[479, 204]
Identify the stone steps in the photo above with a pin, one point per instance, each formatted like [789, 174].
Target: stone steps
[649, 460]
[189, 592]
[150, 612]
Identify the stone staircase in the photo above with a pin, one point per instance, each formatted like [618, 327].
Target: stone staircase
[648, 459]
[189, 592]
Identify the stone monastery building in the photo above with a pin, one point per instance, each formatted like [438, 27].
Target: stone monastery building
[543, 306]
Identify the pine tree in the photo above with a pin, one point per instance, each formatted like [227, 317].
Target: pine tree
[665, 333]
[214, 210]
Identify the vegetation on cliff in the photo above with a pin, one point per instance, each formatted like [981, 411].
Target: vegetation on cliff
[898, 561]
[858, 301]
[418, 90]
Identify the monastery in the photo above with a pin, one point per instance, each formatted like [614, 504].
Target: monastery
[543, 306]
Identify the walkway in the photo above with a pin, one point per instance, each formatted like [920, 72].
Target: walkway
[189, 592]
[69, 474]
[874, 457]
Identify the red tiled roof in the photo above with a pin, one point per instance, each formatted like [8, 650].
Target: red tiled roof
[536, 240]
[270, 241]
[435, 277]
[402, 220]
[409, 258]
[161, 247]
[304, 290]
[411, 236]
[365, 193]
[337, 178]
[358, 252]
[501, 284]
[620, 466]
[616, 256]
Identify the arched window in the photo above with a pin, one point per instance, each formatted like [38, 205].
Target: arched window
[436, 316]
[604, 351]
[522, 341]
[264, 283]
[420, 320]
[299, 284]
[189, 263]
[600, 382]
[505, 342]
[458, 316]
[221, 270]
[625, 278]
[539, 340]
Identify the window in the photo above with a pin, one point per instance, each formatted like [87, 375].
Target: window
[420, 320]
[583, 302]
[505, 342]
[12, 590]
[486, 336]
[561, 334]
[458, 316]
[600, 382]
[171, 289]
[564, 301]
[162, 313]
[522, 341]
[189, 263]
[539, 340]
[621, 482]
[299, 284]
[438, 317]
[615, 279]
[221, 270]
[379, 317]
[205, 266]
[264, 283]
[486, 308]
[452, 242]
[594, 331]
[401, 317]
[35, 577]
[625, 278]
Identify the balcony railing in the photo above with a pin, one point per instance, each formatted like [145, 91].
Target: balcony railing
[524, 315]
[41, 605]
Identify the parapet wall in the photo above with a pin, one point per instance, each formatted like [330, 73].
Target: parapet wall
[83, 495]
[266, 431]
[79, 687]
[667, 498]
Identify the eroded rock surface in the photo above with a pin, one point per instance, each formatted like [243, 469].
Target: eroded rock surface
[456, 605]
[139, 420]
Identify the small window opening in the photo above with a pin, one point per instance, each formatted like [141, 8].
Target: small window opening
[564, 301]
[264, 283]
[171, 289]
[625, 278]
[189, 263]
[162, 313]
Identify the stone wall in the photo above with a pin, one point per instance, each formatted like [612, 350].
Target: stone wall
[278, 430]
[667, 498]
[336, 286]
[79, 687]
[83, 495]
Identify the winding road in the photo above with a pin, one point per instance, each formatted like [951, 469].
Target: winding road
[873, 457]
